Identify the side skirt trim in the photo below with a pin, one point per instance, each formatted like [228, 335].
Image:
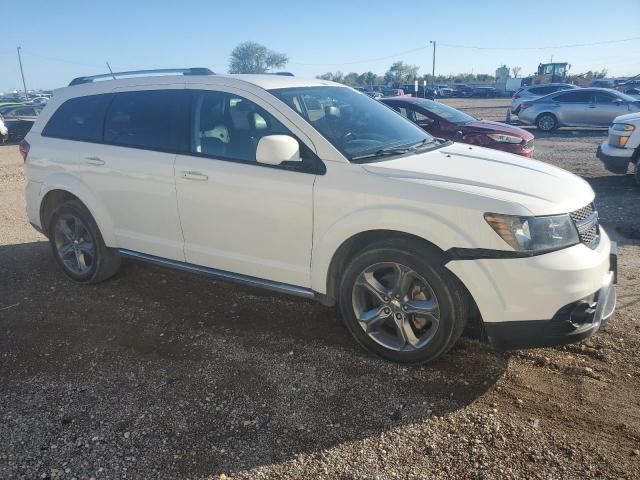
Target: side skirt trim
[222, 275]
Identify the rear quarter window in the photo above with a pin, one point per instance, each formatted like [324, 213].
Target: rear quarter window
[80, 118]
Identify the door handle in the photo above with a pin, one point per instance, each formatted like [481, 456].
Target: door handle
[94, 161]
[592, 106]
[190, 175]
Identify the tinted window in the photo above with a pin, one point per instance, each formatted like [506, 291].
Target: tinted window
[538, 91]
[605, 98]
[155, 120]
[80, 118]
[229, 126]
[573, 97]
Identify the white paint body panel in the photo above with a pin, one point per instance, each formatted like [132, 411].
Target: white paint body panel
[286, 226]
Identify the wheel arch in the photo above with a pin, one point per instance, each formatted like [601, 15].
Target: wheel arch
[546, 112]
[61, 188]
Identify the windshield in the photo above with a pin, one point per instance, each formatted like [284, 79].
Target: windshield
[625, 97]
[357, 125]
[446, 112]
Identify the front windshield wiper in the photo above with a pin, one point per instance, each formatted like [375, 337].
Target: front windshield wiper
[399, 150]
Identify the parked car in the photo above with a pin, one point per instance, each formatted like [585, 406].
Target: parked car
[21, 111]
[18, 120]
[462, 90]
[532, 92]
[4, 132]
[308, 187]
[585, 107]
[488, 92]
[443, 121]
[622, 146]
[39, 101]
[445, 91]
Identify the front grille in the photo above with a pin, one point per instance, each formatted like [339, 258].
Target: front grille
[528, 145]
[586, 221]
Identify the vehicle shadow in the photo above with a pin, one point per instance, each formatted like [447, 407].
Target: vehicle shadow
[206, 376]
[617, 200]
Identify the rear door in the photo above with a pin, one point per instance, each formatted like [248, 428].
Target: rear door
[130, 168]
[573, 108]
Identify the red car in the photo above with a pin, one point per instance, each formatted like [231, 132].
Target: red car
[443, 121]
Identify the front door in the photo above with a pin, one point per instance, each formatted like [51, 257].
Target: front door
[606, 107]
[238, 215]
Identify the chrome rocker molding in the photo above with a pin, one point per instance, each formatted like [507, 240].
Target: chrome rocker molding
[222, 275]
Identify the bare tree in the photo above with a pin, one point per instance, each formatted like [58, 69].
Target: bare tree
[516, 71]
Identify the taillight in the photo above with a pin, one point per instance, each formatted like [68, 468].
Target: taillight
[24, 148]
[525, 105]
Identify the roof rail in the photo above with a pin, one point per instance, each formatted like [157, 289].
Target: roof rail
[114, 75]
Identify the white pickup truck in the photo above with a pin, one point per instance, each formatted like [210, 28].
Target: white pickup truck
[622, 146]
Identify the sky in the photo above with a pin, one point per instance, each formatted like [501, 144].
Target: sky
[61, 40]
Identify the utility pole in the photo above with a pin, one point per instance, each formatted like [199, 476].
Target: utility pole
[433, 68]
[24, 84]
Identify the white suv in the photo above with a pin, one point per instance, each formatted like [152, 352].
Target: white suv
[311, 188]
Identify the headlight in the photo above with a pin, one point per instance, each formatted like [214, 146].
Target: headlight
[533, 234]
[500, 138]
[622, 127]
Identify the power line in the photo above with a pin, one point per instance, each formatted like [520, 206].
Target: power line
[473, 47]
[549, 47]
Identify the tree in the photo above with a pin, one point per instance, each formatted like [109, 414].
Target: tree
[401, 73]
[350, 79]
[367, 78]
[251, 57]
[516, 71]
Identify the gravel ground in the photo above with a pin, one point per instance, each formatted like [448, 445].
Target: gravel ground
[160, 374]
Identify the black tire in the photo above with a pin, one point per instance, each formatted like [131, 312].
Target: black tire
[428, 263]
[637, 173]
[104, 263]
[547, 122]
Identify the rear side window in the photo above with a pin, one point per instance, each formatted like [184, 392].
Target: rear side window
[79, 118]
[153, 120]
[573, 97]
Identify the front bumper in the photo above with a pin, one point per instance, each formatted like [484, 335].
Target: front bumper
[614, 159]
[573, 322]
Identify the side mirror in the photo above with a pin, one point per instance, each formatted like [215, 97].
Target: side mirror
[277, 149]
[618, 101]
[458, 136]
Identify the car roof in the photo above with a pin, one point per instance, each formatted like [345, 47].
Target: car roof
[551, 85]
[265, 81]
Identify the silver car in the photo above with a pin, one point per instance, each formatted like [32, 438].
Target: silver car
[583, 107]
[532, 92]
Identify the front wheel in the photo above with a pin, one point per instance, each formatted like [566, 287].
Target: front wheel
[547, 122]
[398, 301]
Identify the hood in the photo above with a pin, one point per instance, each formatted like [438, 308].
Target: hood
[486, 126]
[540, 188]
[629, 117]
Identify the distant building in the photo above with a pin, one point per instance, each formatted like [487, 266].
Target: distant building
[502, 73]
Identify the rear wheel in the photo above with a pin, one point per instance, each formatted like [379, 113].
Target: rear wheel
[78, 246]
[547, 122]
[398, 300]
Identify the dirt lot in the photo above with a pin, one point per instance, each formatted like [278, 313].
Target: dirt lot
[160, 374]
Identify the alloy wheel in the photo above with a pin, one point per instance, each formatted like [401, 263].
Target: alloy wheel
[74, 244]
[395, 306]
